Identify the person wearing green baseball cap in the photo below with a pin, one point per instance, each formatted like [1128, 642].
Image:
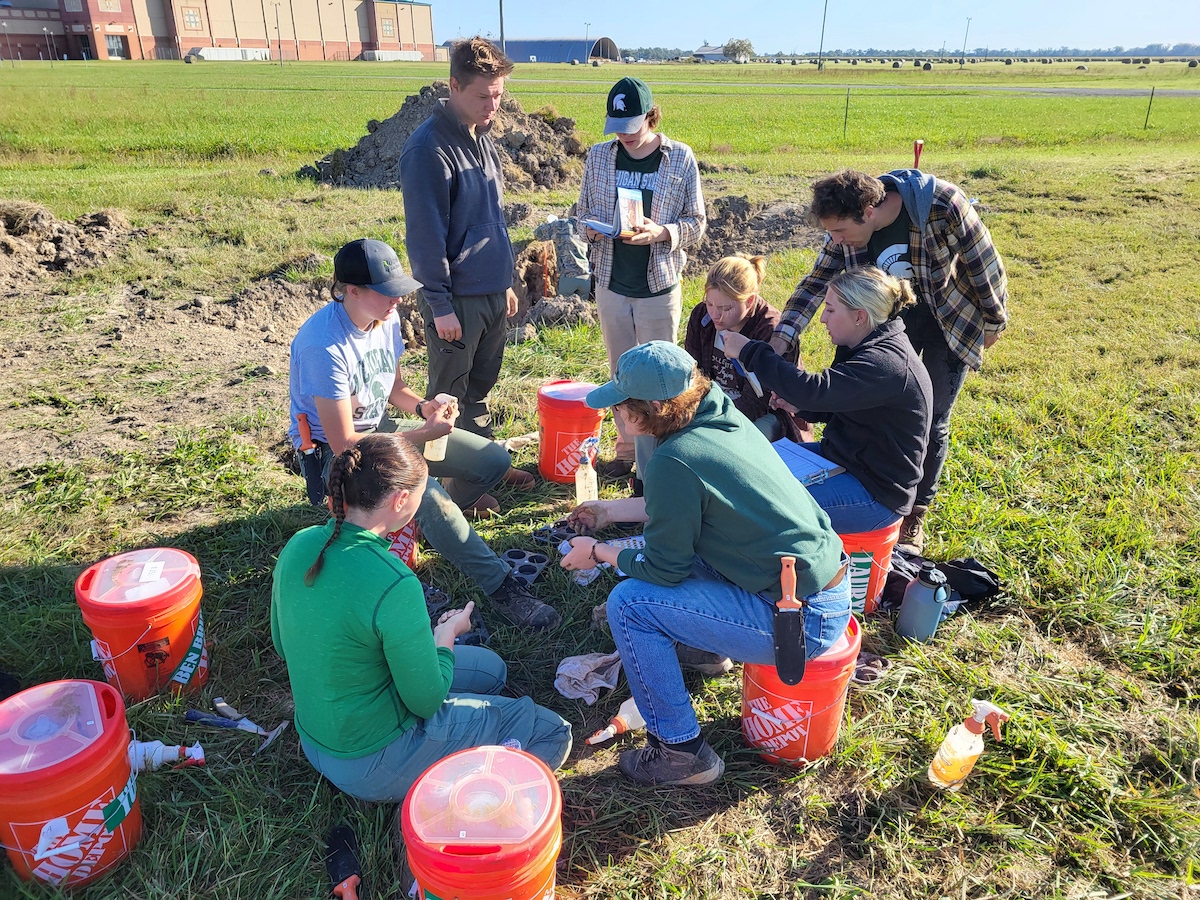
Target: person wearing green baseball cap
[720, 510]
[637, 273]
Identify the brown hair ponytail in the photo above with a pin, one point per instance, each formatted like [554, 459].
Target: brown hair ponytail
[364, 476]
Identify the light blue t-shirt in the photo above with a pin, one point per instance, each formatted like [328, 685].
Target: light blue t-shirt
[333, 358]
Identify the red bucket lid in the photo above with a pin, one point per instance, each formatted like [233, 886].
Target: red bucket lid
[565, 393]
[146, 581]
[51, 730]
[485, 805]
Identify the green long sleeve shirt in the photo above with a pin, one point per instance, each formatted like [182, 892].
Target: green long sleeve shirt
[718, 490]
[359, 651]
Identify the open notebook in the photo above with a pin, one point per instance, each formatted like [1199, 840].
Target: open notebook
[808, 467]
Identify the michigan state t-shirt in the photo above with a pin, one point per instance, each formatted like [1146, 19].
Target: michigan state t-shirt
[631, 263]
[889, 247]
[333, 358]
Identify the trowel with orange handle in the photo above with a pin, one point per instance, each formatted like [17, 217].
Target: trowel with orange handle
[310, 462]
[790, 647]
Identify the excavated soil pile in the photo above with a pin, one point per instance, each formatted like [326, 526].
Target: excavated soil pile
[735, 225]
[33, 242]
[537, 149]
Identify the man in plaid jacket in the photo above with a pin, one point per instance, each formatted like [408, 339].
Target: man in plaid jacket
[913, 226]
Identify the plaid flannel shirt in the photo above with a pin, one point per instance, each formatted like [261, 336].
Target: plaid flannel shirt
[678, 205]
[957, 271]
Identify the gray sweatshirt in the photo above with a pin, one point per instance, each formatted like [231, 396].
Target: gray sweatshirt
[454, 212]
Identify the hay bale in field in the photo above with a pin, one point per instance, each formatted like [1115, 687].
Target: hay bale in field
[537, 150]
[1081, 68]
[928, 67]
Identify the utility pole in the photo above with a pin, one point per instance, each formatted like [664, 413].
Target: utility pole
[502, 47]
[587, 41]
[46, 34]
[278, 34]
[821, 49]
[11, 60]
[962, 59]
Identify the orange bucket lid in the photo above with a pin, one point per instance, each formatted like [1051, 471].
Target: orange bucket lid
[54, 730]
[144, 582]
[483, 810]
[844, 650]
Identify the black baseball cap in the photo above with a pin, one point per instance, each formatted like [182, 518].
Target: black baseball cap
[628, 102]
[375, 265]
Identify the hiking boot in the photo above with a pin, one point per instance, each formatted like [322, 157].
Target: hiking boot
[702, 661]
[658, 764]
[615, 468]
[515, 605]
[912, 532]
[485, 507]
[519, 479]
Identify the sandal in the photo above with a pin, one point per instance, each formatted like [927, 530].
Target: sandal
[519, 479]
[870, 668]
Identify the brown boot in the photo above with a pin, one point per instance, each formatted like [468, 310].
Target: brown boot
[912, 532]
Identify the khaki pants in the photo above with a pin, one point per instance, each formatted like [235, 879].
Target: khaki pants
[628, 321]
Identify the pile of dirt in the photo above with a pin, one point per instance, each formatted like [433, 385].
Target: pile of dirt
[538, 149]
[735, 225]
[33, 242]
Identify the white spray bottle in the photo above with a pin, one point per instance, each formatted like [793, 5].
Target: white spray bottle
[628, 718]
[587, 487]
[963, 745]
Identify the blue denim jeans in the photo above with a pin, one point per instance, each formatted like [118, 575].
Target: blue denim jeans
[946, 373]
[709, 613]
[850, 507]
[471, 716]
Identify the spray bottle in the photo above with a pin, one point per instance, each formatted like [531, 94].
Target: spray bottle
[435, 450]
[962, 746]
[586, 485]
[628, 718]
[146, 756]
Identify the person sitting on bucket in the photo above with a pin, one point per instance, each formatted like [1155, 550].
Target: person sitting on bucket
[876, 400]
[379, 697]
[721, 510]
[345, 370]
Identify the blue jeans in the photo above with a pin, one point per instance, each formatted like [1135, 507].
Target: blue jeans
[471, 716]
[850, 507]
[709, 613]
[946, 373]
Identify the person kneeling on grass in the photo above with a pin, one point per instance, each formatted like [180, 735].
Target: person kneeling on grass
[876, 400]
[379, 697]
[720, 510]
[345, 369]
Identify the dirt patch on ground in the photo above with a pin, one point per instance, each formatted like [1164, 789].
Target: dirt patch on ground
[33, 242]
[735, 225]
[539, 149]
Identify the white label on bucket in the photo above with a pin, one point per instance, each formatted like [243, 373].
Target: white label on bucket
[152, 571]
[779, 725]
[860, 579]
[53, 831]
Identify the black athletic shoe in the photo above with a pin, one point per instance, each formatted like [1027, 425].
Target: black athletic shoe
[658, 764]
[513, 602]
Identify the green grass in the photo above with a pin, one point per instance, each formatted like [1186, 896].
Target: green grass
[1073, 472]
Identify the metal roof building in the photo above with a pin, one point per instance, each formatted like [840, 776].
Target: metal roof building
[561, 50]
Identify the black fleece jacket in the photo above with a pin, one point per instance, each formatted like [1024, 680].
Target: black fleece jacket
[876, 400]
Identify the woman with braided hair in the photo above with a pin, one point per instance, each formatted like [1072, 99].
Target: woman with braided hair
[379, 698]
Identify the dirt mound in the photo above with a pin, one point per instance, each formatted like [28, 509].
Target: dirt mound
[33, 242]
[277, 308]
[735, 225]
[538, 149]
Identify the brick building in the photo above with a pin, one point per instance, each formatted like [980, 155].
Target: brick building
[217, 29]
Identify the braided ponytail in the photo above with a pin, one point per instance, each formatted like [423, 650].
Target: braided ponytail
[363, 476]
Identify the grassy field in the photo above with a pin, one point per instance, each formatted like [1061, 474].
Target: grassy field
[1073, 472]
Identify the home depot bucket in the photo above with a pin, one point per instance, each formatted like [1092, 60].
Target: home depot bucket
[484, 824]
[870, 555]
[69, 809]
[565, 421]
[796, 724]
[404, 543]
[143, 608]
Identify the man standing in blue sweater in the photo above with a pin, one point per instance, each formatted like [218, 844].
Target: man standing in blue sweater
[455, 233]
[918, 227]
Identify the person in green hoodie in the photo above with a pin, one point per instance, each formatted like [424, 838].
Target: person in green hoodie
[379, 696]
[720, 510]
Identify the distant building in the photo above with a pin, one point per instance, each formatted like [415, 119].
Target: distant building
[218, 29]
[561, 50]
[710, 53]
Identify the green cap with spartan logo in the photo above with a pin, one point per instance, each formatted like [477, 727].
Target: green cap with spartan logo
[373, 264]
[628, 102]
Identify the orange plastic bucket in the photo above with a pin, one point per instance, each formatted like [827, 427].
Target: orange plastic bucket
[69, 809]
[484, 824]
[565, 421]
[796, 724]
[143, 608]
[404, 543]
[870, 555]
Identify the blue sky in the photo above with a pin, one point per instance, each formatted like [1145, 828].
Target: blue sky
[795, 24]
